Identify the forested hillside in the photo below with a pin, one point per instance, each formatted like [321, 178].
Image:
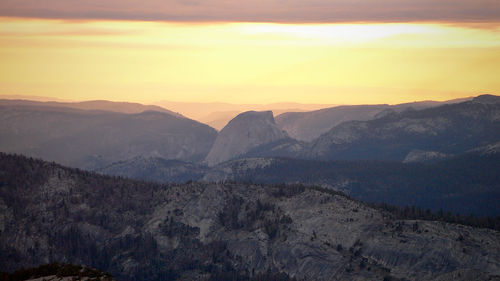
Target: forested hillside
[466, 184]
[228, 231]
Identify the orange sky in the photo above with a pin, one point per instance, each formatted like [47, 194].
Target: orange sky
[247, 62]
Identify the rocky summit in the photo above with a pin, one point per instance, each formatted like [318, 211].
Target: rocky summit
[246, 131]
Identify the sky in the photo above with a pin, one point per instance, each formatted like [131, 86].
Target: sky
[254, 51]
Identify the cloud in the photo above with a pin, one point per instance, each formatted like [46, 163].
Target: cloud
[283, 11]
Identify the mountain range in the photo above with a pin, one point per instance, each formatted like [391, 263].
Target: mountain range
[379, 132]
[389, 157]
[390, 135]
[444, 157]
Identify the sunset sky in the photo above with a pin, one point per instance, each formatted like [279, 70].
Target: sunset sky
[318, 51]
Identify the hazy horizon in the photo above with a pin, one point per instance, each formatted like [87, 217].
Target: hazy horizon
[248, 62]
[279, 103]
[250, 52]
[214, 114]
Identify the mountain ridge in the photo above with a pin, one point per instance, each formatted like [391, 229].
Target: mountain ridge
[451, 128]
[97, 105]
[307, 126]
[92, 139]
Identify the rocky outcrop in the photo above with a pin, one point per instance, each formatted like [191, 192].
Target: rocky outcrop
[245, 132]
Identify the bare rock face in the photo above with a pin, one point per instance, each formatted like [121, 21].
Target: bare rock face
[245, 132]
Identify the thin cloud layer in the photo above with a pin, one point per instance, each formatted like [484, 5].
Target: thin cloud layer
[285, 11]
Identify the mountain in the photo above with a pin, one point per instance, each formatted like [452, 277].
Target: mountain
[245, 132]
[121, 107]
[94, 139]
[307, 126]
[446, 129]
[198, 231]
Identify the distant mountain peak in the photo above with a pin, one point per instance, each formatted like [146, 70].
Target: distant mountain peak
[246, 131]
